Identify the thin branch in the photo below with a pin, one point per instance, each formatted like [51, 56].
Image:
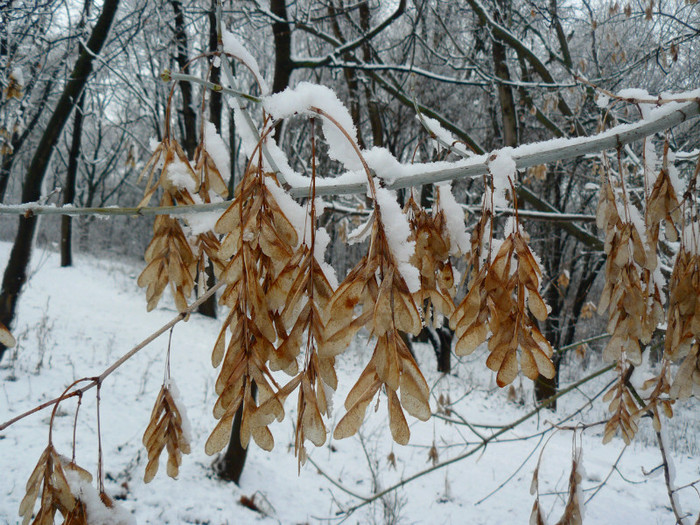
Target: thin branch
[131, 353]
[532, 413]
[667, 477]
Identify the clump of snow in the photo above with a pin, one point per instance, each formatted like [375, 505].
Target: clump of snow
[602, 100]
[175, 394]
[180, 176]
[234, 47]
[502, 169]
[217, 149]
[247, 135]
[510, 227]
[97, 512]
[306, 96]
[651, 162]
[384, 164]
[633, 93]
[321, 243]
[361, 232]
[443, 138]
[397, 232]
[460, 240]
[282, 164]
[18, 75]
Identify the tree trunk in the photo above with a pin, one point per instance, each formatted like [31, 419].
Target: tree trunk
[16, 271]
[505, 91]
[229, 467]
[69, 188]
[208, 307]
[189, 117]
[283, 51]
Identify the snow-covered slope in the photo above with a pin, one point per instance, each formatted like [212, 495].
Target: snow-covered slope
[75, 322]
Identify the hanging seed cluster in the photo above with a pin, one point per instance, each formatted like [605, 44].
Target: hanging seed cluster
[49, 478]
[683, 329]
[503, 292]
[259, 241]
[167, 429]
[432, 258]
[376, 288]
[172, 257]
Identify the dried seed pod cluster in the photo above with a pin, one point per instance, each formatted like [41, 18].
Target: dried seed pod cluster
[432, 258]
[64, 486]
[171, 257]
[624, 409]
[48, 477]
[623, 294]
[470, 319]
[167, 428]
[573, 510]
[502, 295]
[170, 261]
[259, 243]
[512, 286]
[683, 327]
[378, 289]
[658, 398]
[303, 291]
[632, 312]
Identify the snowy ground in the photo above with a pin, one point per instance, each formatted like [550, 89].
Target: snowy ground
[75, 322]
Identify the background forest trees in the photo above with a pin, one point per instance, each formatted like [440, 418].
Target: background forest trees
[493, 73]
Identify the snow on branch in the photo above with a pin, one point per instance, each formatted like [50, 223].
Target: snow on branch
[659, 119]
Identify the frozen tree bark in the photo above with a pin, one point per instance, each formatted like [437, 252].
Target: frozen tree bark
[16, 271]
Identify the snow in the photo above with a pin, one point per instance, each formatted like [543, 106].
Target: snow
[97, 512]
[690, 237]
[384, 164]
[296, 214]
[300, 100]
[18, 75]
[323, 238]
[443, 138]
[233, 46]
[674, 175]
[397, 231]
[93, 313]
[502, 169]
[602, 100]
[460, 240]
[214, 144]
[180, 176]
[175, 394]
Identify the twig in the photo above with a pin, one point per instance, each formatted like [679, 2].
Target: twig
[480, 446]
[604, 482]
[334, 482]
[99, 379]
[515, 472]
[667, 478]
